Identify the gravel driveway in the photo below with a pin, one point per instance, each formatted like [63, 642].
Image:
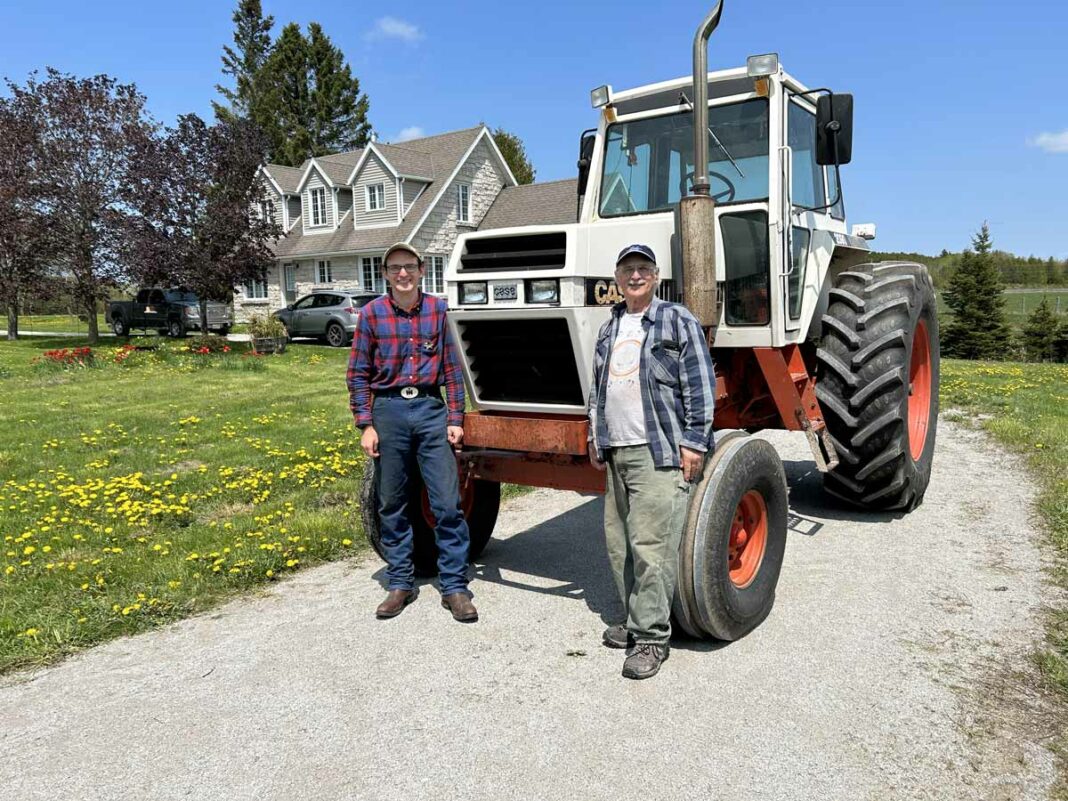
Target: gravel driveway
[889, 668]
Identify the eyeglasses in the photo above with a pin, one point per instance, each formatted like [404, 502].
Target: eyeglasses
[395, 269]
[643, 271]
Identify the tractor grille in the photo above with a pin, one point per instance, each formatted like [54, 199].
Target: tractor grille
[522, 361]
[526, 252]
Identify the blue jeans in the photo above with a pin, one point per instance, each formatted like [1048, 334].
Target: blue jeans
[412, 433]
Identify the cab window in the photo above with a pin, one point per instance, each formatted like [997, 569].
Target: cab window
[807, 188]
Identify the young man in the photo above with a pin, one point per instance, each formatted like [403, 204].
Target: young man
[401, 356]
[651, 422]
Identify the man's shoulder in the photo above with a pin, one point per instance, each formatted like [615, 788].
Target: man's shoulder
[669, 310]
[435, 303]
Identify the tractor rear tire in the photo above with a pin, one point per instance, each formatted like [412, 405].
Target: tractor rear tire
[734, 541]
[481, 503]
[877, 381]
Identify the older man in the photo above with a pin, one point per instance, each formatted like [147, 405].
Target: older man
[402, 354]
[650, 414]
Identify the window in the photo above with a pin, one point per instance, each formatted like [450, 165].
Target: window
[255, 290]
[305, 303]
[648, 164]
[838, 209]
[371, 267]
[799, 242]
[290, 271]
[376, 197]
[267, 209]
[318, 206]
[747, 268]
[806, 188]
[463, 203]
[434, 275]
[324, 274]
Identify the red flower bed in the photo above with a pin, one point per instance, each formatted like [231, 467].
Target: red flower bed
[68, 357]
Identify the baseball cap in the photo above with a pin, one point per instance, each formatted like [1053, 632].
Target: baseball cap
[644, 250]
[402, 246]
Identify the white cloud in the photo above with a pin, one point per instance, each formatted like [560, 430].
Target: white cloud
[411, 132]
[393, 28]
[1051, 142]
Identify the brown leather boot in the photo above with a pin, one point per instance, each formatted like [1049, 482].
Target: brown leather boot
[459, 603]
[395, 603]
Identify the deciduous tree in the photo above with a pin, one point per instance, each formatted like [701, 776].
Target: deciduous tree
[90, 130]
[199, 224]
[25, 241]
[978, 329]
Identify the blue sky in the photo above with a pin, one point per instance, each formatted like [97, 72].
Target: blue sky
[960, 107]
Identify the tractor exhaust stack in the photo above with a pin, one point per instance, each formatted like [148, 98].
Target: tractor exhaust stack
[697, 221]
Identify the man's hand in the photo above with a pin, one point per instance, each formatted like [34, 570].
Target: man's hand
[592, 448]
[455, 435]
[369, 442]
[691, 463]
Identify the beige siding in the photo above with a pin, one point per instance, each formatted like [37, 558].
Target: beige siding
[411, 190]
[314, 182]
[374, 172]
[270, 194]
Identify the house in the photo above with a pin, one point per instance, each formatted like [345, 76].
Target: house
[342, 211]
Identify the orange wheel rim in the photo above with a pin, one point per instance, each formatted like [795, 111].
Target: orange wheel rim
[919, 390]
[749, 538]
[467, 503]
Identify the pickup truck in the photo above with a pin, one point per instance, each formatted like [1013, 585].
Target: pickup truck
[171, 311]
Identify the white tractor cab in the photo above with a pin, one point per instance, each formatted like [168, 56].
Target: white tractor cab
[748, 224]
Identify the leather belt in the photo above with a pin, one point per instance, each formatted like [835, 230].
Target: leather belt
[409, 393]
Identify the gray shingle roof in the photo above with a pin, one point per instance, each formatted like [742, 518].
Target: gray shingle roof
[434, 156]
[286, 177]
[550, 203]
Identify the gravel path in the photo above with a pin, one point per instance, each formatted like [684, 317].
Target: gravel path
[888, 669]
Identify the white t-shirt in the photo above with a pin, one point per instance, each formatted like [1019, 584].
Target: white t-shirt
[623, 399]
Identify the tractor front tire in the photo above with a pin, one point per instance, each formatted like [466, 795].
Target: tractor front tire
[480, 500]
[877, 382]
[734, 541]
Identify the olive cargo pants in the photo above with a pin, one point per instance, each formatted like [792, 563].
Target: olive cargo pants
[644, 512]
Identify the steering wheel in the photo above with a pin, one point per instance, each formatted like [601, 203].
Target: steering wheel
[726, 196]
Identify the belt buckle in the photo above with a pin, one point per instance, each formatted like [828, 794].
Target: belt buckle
[409, 392]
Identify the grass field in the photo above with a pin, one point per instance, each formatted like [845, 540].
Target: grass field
[1020, 303]
[56, 323]
[138, 492]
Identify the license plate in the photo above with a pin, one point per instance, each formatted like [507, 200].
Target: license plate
[505, 292]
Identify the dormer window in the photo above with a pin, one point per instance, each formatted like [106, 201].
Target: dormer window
[376, 197]
[318, 206]
[463, 203]
[267, 209]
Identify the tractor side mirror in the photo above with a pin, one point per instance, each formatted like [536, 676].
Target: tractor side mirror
[834, 129]
[585, 159]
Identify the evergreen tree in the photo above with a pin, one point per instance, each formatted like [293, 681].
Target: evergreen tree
[978, 329]
[312, 103]
[243, 63]
[1040, 333]
[515, 154]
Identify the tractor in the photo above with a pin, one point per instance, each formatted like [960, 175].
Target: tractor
[733, 178]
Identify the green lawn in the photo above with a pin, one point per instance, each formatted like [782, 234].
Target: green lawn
[137, 493]
[1025, 406]
[58, 323]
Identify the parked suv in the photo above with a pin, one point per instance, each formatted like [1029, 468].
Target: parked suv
[327, 313]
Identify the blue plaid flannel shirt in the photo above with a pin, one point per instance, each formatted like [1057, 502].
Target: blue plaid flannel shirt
[677, 382]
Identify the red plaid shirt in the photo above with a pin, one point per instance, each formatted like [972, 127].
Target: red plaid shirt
[393, 348]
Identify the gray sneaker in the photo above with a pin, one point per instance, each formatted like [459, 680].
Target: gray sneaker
[643, 660]
[617, 636]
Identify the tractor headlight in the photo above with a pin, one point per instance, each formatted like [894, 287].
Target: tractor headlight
[543, 291]
[473, 292]
[762, 66]
[601, 96]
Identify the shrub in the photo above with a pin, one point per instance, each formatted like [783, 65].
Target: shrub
[209, 343]
[269, 327]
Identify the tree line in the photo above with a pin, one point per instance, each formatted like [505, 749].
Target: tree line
[95, 194]
[1013, 270]
[977, 329]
